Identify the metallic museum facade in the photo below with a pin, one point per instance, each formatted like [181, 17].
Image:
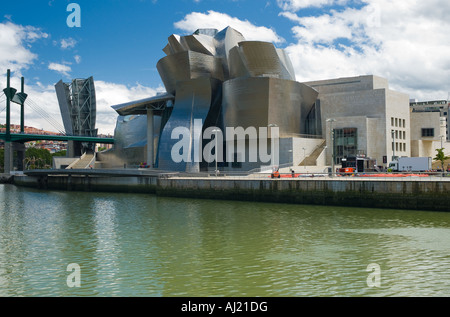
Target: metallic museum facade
[224, 81]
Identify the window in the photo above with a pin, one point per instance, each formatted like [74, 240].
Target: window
[428, 132]
[345, 143]
[396, 122]
[404, 123]
[392, 122]
[404, 135]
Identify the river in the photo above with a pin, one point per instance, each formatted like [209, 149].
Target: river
[57, 243]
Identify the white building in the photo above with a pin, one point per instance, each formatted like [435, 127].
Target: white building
[367, 118]
[429, 127]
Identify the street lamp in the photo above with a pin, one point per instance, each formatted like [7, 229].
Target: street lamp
[215, 131]
[393, 145]
[332, 144]
[304, 157]
[442, 145]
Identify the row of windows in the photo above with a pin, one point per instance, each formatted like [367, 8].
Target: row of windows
[398, 122]
[399, 147]
[399, 135]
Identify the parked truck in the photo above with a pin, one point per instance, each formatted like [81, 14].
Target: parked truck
[411, 164]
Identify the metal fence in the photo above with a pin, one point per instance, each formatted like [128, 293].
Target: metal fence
[434, 176]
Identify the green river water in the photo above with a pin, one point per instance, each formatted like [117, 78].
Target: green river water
[143, 245]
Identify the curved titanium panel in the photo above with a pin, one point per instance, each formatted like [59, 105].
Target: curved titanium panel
[287, 67]
[193, 101]
[188, 65]
[225, 41]
[199, 43]
[130, 136]
[175, 44]
[260, 101]
[261, 59]
[236, 64]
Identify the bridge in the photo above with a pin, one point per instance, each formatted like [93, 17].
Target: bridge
[15, 142]
[23, 138]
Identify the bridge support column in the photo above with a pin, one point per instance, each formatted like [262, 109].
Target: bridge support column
[150, 139]
[12, 163]
[9, 156]
[74, 149]
[20, 149]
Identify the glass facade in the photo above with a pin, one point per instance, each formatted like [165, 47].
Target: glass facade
[345, 143]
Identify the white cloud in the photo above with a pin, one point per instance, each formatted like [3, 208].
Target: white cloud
[404, 41]
[217, 20]
[68, 43]
[110, 94]
[15, 54]
[60, 68]
[295, 5]
[15, 41]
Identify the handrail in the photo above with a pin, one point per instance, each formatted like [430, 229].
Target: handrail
[76, 161]
[92, 162]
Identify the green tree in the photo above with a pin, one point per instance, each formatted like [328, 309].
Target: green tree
[60, 153]
[41, 158]
[440, 157]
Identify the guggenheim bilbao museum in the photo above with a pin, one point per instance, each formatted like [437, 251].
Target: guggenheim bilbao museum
[216, 80]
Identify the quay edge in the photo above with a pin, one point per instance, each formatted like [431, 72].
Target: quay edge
[409, 194]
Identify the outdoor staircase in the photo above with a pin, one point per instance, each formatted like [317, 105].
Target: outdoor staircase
[83, 162]
[311, 160]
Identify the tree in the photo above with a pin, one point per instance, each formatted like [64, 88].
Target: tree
[40, 158]
[440, 156]
[60, 153]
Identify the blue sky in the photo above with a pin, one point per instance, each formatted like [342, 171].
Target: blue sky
[120, 42]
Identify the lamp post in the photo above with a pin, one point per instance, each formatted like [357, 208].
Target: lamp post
[304, 157]
[332, 144]
[215, 131]
[393, 145]
[442, 145]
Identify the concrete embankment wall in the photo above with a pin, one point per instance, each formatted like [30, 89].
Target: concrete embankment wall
[130, 184]
[397, 194]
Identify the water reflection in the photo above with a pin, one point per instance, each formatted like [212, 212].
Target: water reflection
[141, 245]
